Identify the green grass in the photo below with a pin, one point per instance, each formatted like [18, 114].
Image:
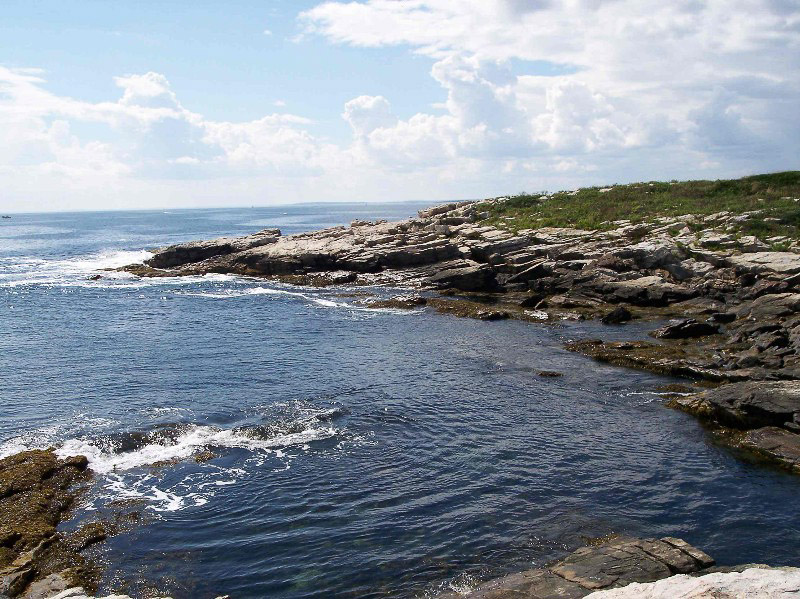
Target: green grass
[592, 209]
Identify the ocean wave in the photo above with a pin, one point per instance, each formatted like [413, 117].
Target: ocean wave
[128, 464]
[308, 297]
[30, 270]
[107, 456]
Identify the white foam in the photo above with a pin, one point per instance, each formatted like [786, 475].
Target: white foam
[29, 270]
[187, 444]
[320, 301]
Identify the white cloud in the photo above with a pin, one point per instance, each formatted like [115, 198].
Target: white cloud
[538, 94]
[150, 137]
[365, 114]
[710, 80]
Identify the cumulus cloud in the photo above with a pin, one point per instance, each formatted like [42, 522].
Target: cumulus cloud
[146, 135]
[367, 113]
[536, 94]
[701, 79]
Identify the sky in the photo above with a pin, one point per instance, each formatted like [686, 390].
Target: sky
[108, 104]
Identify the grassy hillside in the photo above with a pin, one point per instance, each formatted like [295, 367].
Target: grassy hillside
[774, 195]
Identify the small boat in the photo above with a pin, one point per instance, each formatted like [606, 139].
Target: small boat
[6, 216]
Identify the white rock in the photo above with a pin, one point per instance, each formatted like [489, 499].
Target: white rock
[779, 262]
[753, 583]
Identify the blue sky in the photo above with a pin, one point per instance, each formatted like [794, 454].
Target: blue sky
[216, 56]
[177, 103]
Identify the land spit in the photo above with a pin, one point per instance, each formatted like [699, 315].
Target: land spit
[735, 305]
[734, 301]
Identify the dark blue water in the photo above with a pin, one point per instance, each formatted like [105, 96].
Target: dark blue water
[359, 453]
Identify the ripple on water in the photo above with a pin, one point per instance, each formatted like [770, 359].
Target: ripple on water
[357, 454]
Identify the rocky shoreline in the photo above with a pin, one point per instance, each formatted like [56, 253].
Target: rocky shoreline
[732, 312]
[735, 304]
[38, 561]
[627, 568]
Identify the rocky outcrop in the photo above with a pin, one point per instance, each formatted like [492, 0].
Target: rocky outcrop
[753, 405]
[755, 582]
[737, 304]
[472, 277]
[685, 329]
[38, 490]
[782, 263]
[197, 251]
[767, 414]
[613, 565]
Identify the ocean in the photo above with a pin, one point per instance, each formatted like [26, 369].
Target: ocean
[357, 452]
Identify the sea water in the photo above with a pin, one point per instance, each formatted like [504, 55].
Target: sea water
[357, 452]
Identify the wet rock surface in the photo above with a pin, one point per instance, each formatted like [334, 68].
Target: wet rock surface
[613, 565]
[37, 491]
[764, 415]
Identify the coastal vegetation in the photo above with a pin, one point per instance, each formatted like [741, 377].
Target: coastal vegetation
[775, 197]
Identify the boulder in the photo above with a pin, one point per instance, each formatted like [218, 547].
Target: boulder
[477, 277]
[685, 329]
[618, 315]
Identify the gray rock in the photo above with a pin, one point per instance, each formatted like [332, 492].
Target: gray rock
[752, 404]
[47, 587]
[613, 565]
[776, 444]
[617, 316]
[197, 251]
[476, 277]
[651, 290]
[785, 263]
[685, 329]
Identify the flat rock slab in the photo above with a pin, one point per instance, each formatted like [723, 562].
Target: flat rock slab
[613, 565]
[787, 263]
[767, 414]
[756, 404]
[761, 583]
[776, 444]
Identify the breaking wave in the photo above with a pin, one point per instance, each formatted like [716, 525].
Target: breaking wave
[128, 463]
[135, 450]
[18, 271]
